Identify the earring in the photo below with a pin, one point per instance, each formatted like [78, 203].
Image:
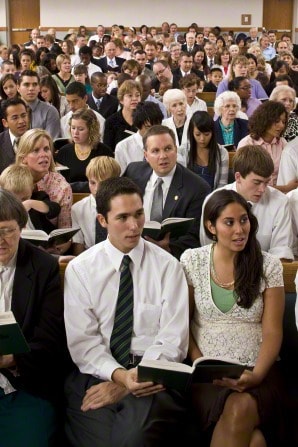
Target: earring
[214, 238]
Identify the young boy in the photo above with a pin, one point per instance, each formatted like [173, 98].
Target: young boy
[19, 181]
[84, 213]
[190, 84]
[215, 76]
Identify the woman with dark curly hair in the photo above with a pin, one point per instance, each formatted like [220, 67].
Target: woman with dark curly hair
[207, 158]
[266, 128]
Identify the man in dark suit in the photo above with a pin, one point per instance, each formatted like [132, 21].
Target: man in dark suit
[99, 100]
[163, 74]
[185, 67]
[16, 121]
[31, 382]
[110, 62]
[190, 43]
[183, 192]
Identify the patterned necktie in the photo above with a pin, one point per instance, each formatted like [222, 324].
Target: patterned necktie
[123, 323]
[157, 202]
[98, 103]
[15, 144]
[100, 232]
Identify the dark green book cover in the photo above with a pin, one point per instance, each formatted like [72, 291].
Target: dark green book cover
[181, 376]
[12, 340]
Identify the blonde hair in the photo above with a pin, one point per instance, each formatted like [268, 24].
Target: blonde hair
[89, 117]
[16, 178]
[127, 87]
[27, 144]
[61, 58]
[102, 168]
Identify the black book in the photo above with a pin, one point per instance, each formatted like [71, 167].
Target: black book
[180, 376]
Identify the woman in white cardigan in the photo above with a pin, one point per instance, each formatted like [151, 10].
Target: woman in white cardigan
[176, 104]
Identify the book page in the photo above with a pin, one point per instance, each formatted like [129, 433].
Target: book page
[215, 360]
[34, 234]
[7, 318]
[176, 220]
[152, 224]
[164, 364]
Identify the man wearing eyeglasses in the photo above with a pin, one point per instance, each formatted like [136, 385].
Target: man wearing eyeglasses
[163, 73]
[16, 121]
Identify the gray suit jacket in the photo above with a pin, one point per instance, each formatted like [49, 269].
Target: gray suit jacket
[184, 199]
[7, 154]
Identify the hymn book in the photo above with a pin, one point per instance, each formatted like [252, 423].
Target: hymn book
[180, 376]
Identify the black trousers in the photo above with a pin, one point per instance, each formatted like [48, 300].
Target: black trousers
[131, 422]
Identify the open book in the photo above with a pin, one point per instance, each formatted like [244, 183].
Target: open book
[177, 226]
[180, 376]
[40, 237]
[12, 340]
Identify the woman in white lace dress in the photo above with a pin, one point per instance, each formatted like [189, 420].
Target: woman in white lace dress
[237, 305]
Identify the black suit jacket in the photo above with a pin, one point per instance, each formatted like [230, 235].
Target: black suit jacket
[7, 154]
[240, 131]
[184, 199]
[108, 106]
[102, 63]
[195, 48]
[178, 74]
[37, 304]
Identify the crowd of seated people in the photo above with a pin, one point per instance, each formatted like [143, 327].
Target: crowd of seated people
[126, 118]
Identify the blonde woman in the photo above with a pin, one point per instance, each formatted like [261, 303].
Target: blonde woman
[239, 67]
[85, 145]
[64, 76]
[35, 150]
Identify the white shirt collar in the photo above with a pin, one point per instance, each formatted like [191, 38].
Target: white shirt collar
[116, 255]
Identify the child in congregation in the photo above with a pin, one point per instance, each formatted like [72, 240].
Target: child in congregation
[80, 73]
[84, 213]
[18, 180]
[215, 77]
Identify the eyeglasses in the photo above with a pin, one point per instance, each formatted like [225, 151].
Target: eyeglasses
[245, 88]
[7, 233]
[160, 72]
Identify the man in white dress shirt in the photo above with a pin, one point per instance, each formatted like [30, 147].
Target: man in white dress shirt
[131, 149]
[253, 167]
[77, 97]
[106, 405]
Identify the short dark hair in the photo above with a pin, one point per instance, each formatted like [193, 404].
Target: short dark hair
[112, 187]
[76, 88]
[158, 130]
[11, 208]
[30, 73]
[85, 50]
[98, 75]
[147, 112]
[11, 102]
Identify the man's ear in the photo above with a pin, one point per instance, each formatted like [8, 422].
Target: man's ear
[237, 177]
[102, 220]
[5, 123]
[145, 155]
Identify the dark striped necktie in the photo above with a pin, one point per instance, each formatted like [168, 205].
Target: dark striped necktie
[123, 323]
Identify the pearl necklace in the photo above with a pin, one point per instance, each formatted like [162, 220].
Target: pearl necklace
[227, 285]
